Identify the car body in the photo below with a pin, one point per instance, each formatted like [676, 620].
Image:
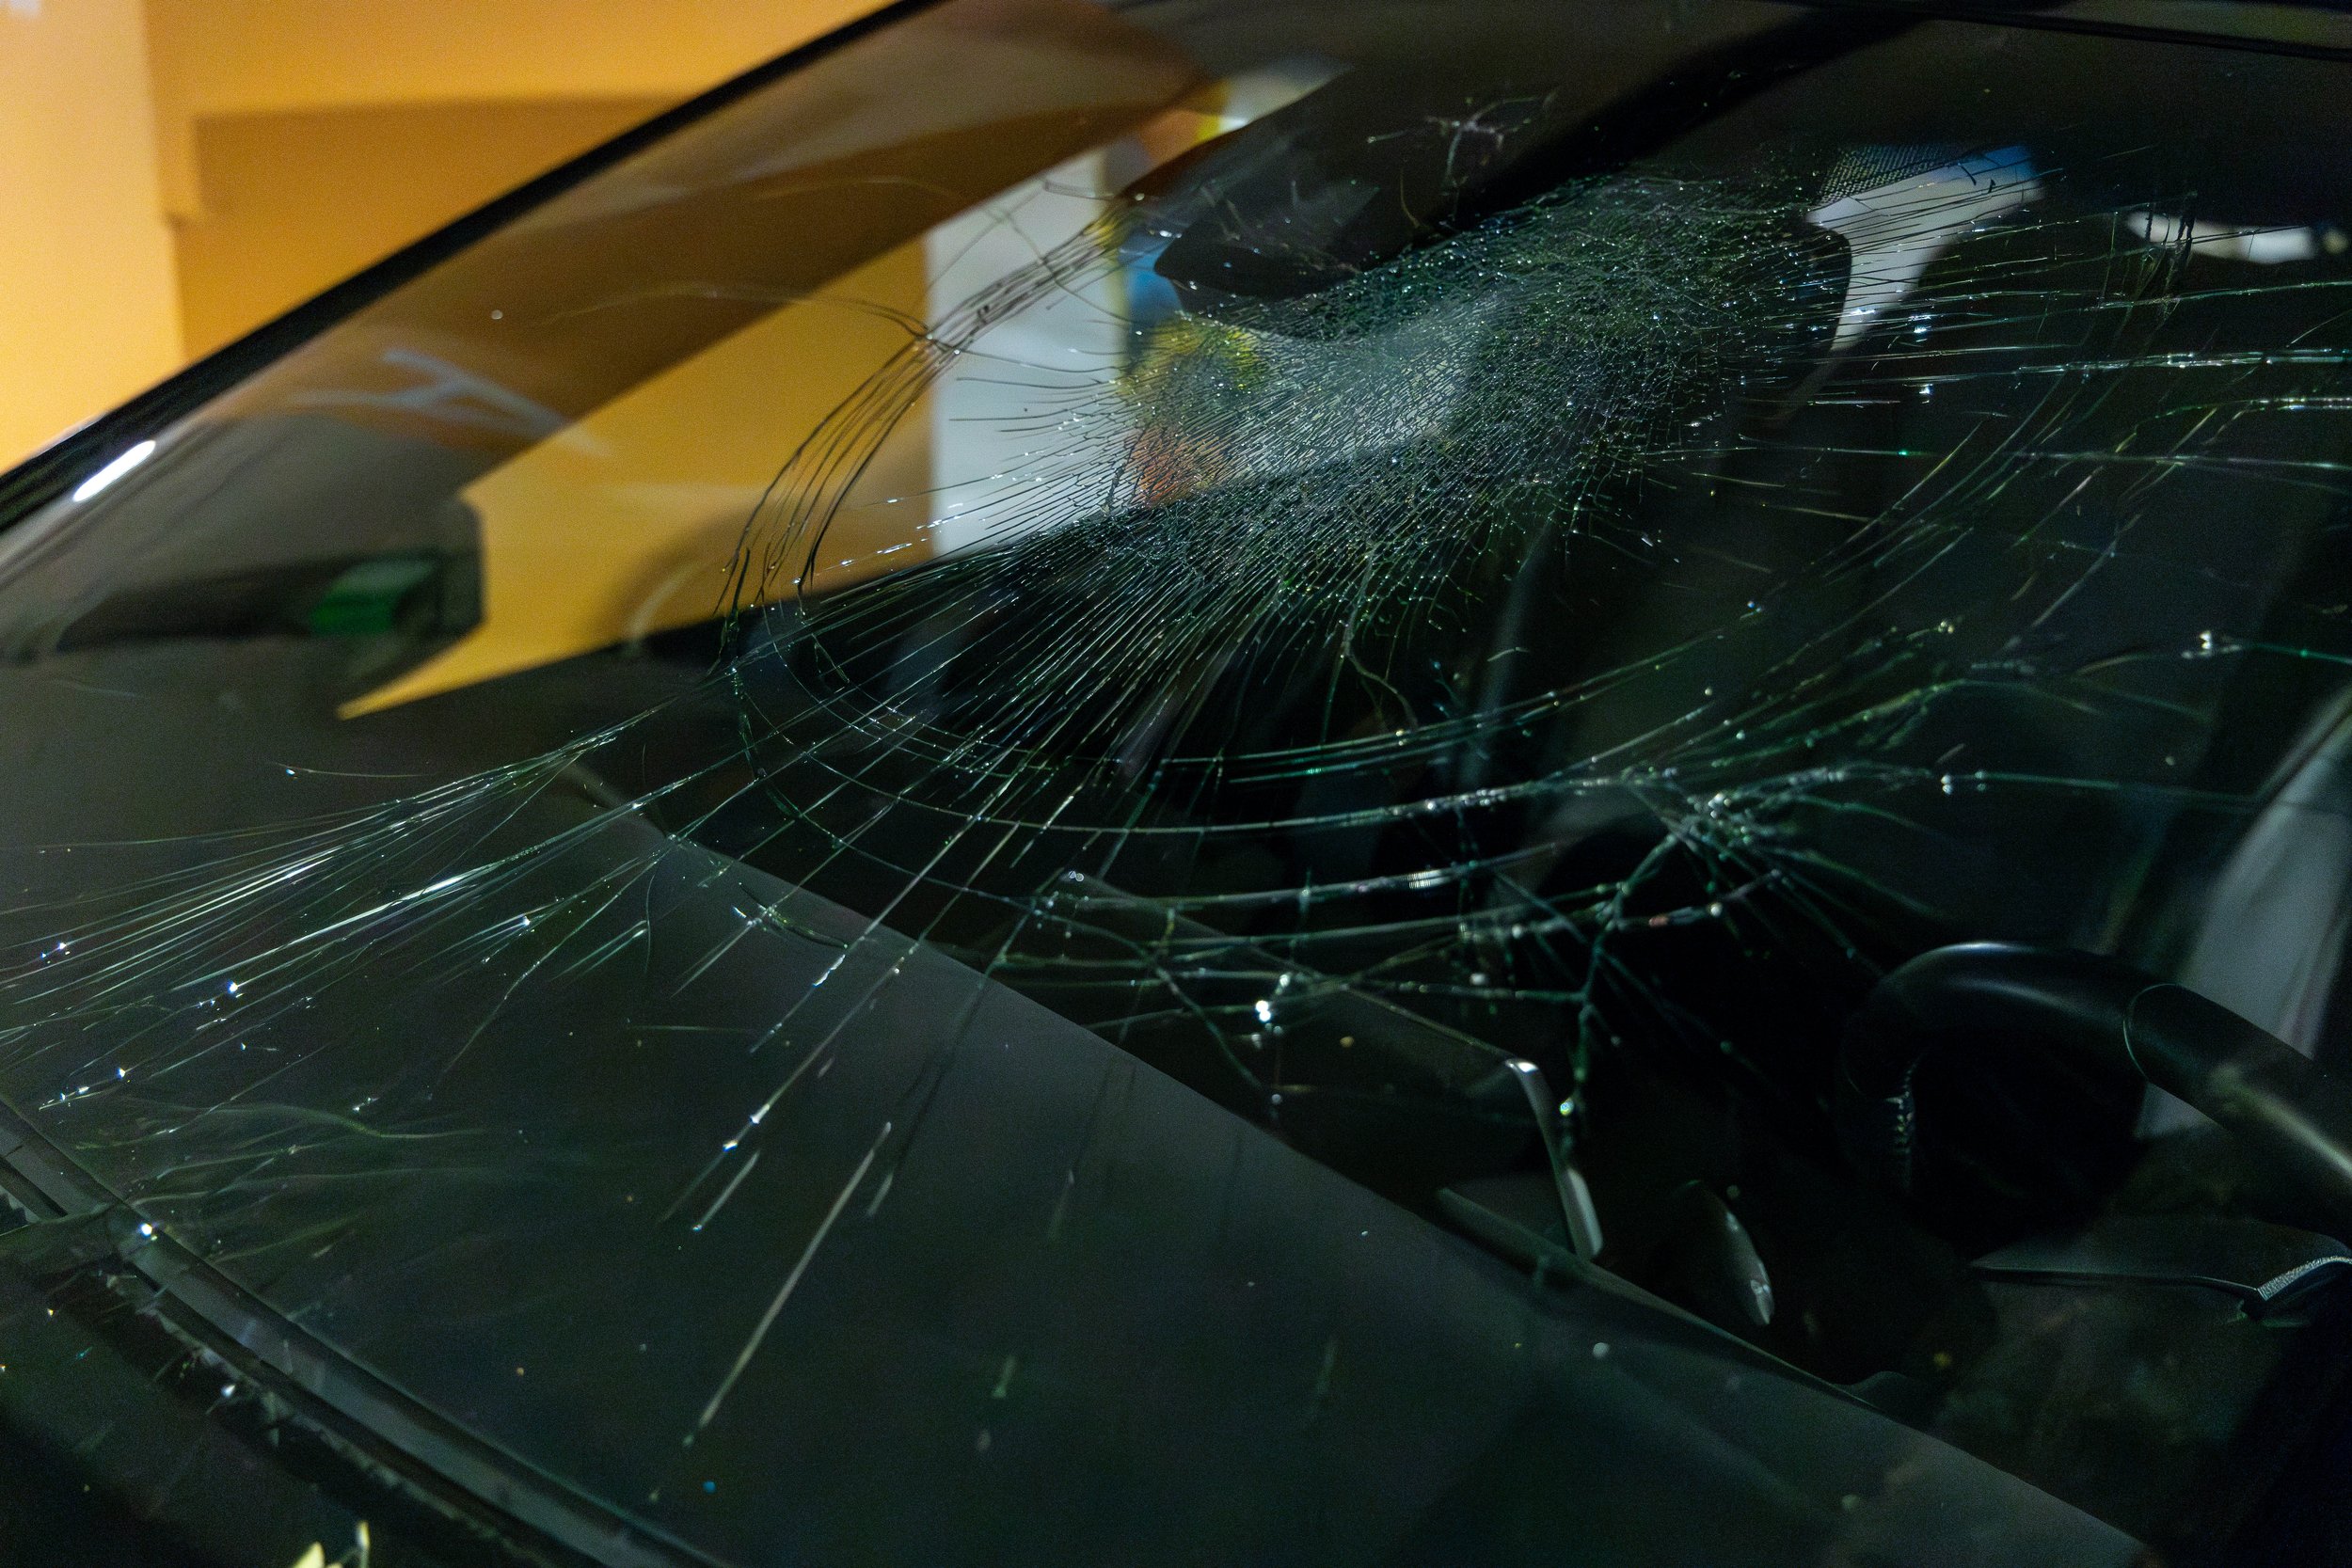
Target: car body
[1298, 783]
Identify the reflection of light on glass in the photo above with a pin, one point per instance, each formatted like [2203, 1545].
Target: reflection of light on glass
[1897, 228]
[113, 470]
[2264, 246]
[1007, 417]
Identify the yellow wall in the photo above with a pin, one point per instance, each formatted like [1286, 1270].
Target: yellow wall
[248, 56]
[174, 172]
[629, 523]
[290, 201]
[88, 311]
[300, 139]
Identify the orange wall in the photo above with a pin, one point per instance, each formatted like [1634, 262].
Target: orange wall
[174, 172]
[88, 311]
[242, 57]
[290, 201]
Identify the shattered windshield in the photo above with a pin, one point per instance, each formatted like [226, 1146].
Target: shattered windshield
[795, 784]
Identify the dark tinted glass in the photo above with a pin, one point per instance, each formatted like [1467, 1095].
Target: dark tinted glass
[960, 810]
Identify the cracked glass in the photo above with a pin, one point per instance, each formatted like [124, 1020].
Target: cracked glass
[1303, 783]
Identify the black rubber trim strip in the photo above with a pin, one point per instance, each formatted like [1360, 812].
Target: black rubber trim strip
[2046, 21]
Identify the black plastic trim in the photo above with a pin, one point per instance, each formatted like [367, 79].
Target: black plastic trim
[2038, 20]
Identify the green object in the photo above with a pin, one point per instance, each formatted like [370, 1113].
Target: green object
[365, 600]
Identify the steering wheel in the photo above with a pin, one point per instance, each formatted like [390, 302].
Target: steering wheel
[2291, 1116]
